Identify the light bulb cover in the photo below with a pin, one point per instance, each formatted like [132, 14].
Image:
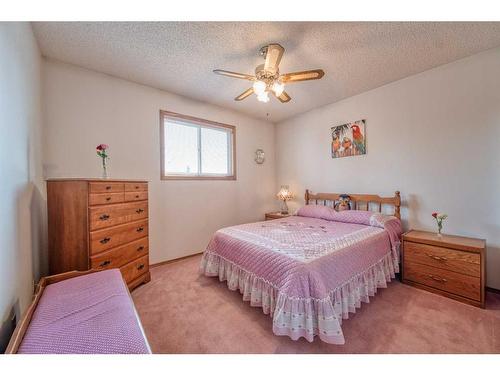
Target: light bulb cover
[259, 87]
[278, 88]
[263, 97]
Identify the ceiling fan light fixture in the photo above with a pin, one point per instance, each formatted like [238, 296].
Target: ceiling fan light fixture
[278, 88]
[259, 87]
[263, 97]
[268, 79]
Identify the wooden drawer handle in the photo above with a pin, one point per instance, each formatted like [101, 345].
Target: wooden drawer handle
[108, 199]
[140, 229]
[108, 187]
[435, 257]
[140, 248]
[140, 210]
[439, 279]
[105, 240]
[137, 196]
[140, 266]
[105, 263]
[104, 217]
[137, 187]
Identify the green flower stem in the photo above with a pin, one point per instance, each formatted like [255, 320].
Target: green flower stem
[439, 224]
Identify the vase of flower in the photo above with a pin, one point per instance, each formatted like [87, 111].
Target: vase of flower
[439, 221]
[103, 154]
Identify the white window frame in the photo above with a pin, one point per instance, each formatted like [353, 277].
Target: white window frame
[199, 124]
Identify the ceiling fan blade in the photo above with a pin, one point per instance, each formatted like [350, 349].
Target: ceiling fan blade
[284, 97]
[244, 95]
[234, 74]
[273, 57]
[305, 75]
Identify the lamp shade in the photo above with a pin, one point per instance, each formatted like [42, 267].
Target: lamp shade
[284, 194]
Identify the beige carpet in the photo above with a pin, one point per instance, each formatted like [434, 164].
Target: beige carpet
[184, 312]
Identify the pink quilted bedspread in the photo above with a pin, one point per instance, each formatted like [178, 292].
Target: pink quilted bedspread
[90, 314]
[308, 273]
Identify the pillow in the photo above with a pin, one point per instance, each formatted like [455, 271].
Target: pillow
[370, 218]
[315, 211]
[351, 216]
[380, 220]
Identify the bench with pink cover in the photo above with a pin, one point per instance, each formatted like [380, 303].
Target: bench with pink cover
[90, 314]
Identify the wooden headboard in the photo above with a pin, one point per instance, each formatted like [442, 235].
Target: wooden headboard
[359, 201]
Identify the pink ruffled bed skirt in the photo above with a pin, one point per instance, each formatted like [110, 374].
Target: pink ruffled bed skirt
[304, 317]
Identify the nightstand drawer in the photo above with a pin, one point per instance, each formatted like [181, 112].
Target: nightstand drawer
[448, 281]
[448, 259]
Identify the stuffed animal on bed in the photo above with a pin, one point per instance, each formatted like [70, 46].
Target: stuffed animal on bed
[344, 203]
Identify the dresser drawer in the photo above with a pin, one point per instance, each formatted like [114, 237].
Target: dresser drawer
[106, 187]
[107, 198]
[440, 257]
[448, 281]
[121, 255]
[107, 216]
[136, 186]
[132, 196]
[135, 269]
[105, 239]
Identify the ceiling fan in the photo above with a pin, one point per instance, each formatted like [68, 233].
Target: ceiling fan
[267, 77]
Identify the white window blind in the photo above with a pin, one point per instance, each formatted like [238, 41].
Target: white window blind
[192, 149]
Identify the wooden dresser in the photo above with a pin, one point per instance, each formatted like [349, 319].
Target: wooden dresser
[99, 224]
[452, 266]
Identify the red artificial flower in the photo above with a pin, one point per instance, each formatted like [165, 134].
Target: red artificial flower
[434, 214]
[102, 146]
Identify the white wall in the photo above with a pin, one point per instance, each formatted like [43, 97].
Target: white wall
[21, 188]
[85, 108]
[433, 136]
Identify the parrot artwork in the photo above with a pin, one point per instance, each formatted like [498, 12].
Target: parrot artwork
[358, 139]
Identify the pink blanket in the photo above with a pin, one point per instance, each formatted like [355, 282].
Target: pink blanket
[308, 273]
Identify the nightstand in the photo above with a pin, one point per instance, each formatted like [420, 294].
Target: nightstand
[451, 266]
[276, 215]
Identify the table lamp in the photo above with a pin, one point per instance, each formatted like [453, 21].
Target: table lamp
[284, 195]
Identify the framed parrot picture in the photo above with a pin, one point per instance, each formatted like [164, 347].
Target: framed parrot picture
[349, 139]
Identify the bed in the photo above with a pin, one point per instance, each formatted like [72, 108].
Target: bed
[310, 270]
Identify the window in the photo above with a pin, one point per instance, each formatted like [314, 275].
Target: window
[193, 148]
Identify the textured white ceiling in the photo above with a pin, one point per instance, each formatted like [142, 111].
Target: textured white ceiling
[179, 56]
